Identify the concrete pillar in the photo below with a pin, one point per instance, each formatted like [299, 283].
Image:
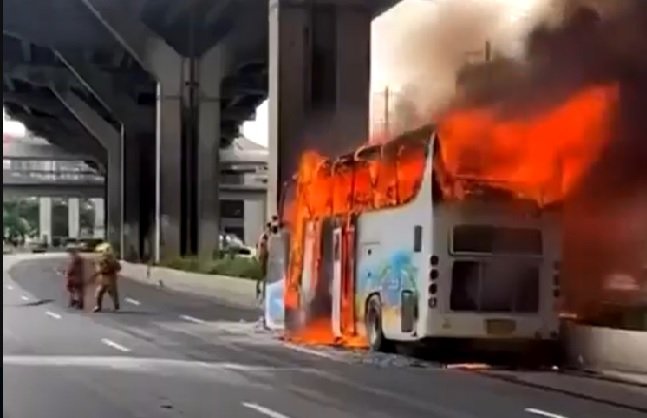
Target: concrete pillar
[319, 76]
[112, 140]
[99, 218]
[73, 217]
[254, 220]
[45, 218]
[114, 218]
[210, 72]
[185, 189]
[187, 175]
[131, 196]
[168, 154]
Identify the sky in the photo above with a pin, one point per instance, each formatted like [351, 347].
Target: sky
[11, 127]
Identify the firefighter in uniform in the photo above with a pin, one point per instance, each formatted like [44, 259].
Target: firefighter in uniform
[75, 279]
[107, 270]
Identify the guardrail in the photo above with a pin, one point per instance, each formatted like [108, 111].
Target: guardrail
[600, 349]
[25, 176]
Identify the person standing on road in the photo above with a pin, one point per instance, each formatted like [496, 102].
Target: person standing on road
[107, 270]
[262, 255]
[74, 274]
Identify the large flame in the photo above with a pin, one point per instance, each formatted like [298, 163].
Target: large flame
[342, 188]
[541, 155]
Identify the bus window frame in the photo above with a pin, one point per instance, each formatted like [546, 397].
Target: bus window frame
[346, 162]
[480, 255]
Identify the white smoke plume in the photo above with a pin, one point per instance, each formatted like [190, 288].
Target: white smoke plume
[419, 46]
[422, 44]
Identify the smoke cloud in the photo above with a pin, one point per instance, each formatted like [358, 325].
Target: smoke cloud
[542, 54]
[421, 45]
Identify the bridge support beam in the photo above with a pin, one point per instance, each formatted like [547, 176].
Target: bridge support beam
[99, 218]
[111, 140]
[45, 219]
[187, 135]
[188, 157]
[73, 217]
[135, 120]
[319, 76]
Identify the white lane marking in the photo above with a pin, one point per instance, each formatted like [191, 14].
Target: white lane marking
[543, 413]
[114, 345]
[25, 298]
[192, 319]
[138, 363]
[53, 314]
[309, 351]
[262, 410]
[9, 287]
[133, 301]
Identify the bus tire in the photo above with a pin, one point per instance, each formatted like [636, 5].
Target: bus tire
[374, 334]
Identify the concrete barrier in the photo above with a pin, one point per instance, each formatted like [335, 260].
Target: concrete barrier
[231, 290]
[604, 349]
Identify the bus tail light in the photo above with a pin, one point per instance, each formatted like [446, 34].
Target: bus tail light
[433, 289]
[433, 276]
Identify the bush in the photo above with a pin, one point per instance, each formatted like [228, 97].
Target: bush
[245, 267]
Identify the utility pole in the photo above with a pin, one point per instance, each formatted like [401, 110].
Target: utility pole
[386, 113]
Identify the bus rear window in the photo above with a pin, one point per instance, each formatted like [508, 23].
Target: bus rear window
[487, 239]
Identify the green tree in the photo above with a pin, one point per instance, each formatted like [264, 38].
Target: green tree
[16, 220]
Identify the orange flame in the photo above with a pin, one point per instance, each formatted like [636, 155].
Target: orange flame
[542, 156]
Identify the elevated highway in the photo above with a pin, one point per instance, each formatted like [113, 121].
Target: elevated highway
[150, 89]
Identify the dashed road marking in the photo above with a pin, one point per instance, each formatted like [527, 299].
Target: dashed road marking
[114, 345]
[9, 287]
[192, 319]
[25, 298]
[133, 301]
[53, 315]
[263, 410]
[543, 413]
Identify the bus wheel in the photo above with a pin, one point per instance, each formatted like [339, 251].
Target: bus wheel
[376, 340]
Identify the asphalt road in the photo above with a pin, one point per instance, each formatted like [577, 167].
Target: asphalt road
[173, 355]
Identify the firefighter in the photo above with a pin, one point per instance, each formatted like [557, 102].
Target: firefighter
[107, 269]
[262, 255]
[74, 274]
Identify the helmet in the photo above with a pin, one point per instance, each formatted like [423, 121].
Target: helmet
[104, 248]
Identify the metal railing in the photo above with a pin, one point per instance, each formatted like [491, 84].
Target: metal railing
[50, 176]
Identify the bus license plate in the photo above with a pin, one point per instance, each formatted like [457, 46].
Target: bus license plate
[500, 326]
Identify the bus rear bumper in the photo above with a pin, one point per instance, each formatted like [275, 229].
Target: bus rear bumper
[494, 327]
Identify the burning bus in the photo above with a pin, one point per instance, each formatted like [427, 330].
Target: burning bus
[386, 245]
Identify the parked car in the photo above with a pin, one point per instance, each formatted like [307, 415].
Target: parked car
[37, 246]
[85, 245]
[232, 245]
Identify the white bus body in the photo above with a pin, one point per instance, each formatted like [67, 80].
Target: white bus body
[437, 270]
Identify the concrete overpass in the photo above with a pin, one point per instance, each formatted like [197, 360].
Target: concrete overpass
[151, 89]
[239, 151]
[47, 183]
